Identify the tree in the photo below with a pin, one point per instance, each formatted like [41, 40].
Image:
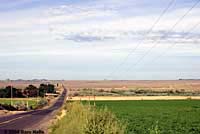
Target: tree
[6, 92]
[31, 91]
[42, 90]
[19, 93]
[3, 93]
[50, 88]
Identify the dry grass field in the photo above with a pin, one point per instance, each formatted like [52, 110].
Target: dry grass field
[135, 84]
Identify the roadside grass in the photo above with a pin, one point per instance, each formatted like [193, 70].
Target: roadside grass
[156, 117]
[86, 119]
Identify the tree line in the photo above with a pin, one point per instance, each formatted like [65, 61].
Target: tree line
[29, 91]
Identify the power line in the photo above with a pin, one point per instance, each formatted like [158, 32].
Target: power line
[171, 29]
[173, 44]
[186, 36]
[146, 35]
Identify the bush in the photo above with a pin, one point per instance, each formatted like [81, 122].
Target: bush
[76, 94]
[7, 107]
[84, 119]
[118, 92]
[103, 122]
[101, 90]
[42, 103]
[20, 105]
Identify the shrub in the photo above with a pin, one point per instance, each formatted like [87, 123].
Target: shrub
[7, 107]
[20, 105]
[101, 90]
[42, 103]
[103, 122]
[76, 94]
[118, 92]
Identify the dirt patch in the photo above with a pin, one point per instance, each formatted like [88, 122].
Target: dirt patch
[6, 112]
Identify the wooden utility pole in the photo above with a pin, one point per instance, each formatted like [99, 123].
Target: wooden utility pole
[11, 95]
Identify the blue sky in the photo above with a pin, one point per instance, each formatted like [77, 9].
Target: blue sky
[89, 39]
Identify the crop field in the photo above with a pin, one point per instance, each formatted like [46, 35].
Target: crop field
[165, 117]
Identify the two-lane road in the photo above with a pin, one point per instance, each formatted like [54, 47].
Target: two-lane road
[29, 120]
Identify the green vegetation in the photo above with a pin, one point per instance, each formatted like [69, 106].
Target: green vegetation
[157, 117]
[132, 92]
[6, 92]
[46, 88]
[140, 117]
[15, 101]
[85, 119]
[20, 97]
[32, 103]
[29, 91]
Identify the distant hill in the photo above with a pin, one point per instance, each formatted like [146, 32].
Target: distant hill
[188, 79]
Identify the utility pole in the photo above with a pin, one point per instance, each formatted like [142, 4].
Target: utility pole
[11, 94]
[94, 97]
[37, 95]
[27, 100]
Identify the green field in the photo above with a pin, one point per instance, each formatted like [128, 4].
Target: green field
[166, 117]
[31, 102]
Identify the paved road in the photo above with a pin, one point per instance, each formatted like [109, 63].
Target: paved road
[14, 124]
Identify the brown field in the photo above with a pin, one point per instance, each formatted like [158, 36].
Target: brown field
[20, 84]
[187, 85]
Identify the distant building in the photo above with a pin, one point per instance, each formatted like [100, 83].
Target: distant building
[51, 94]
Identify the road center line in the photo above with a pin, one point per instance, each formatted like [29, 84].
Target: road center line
[8, 121]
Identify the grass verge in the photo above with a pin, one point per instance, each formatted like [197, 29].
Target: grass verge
[86, 119]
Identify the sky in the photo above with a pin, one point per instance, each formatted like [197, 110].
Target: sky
[99, 39]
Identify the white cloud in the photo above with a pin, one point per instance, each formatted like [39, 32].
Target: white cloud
[94, 32]
[96, 21]
[85, 23]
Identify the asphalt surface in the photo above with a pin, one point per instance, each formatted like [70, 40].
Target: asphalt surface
[23, 123]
